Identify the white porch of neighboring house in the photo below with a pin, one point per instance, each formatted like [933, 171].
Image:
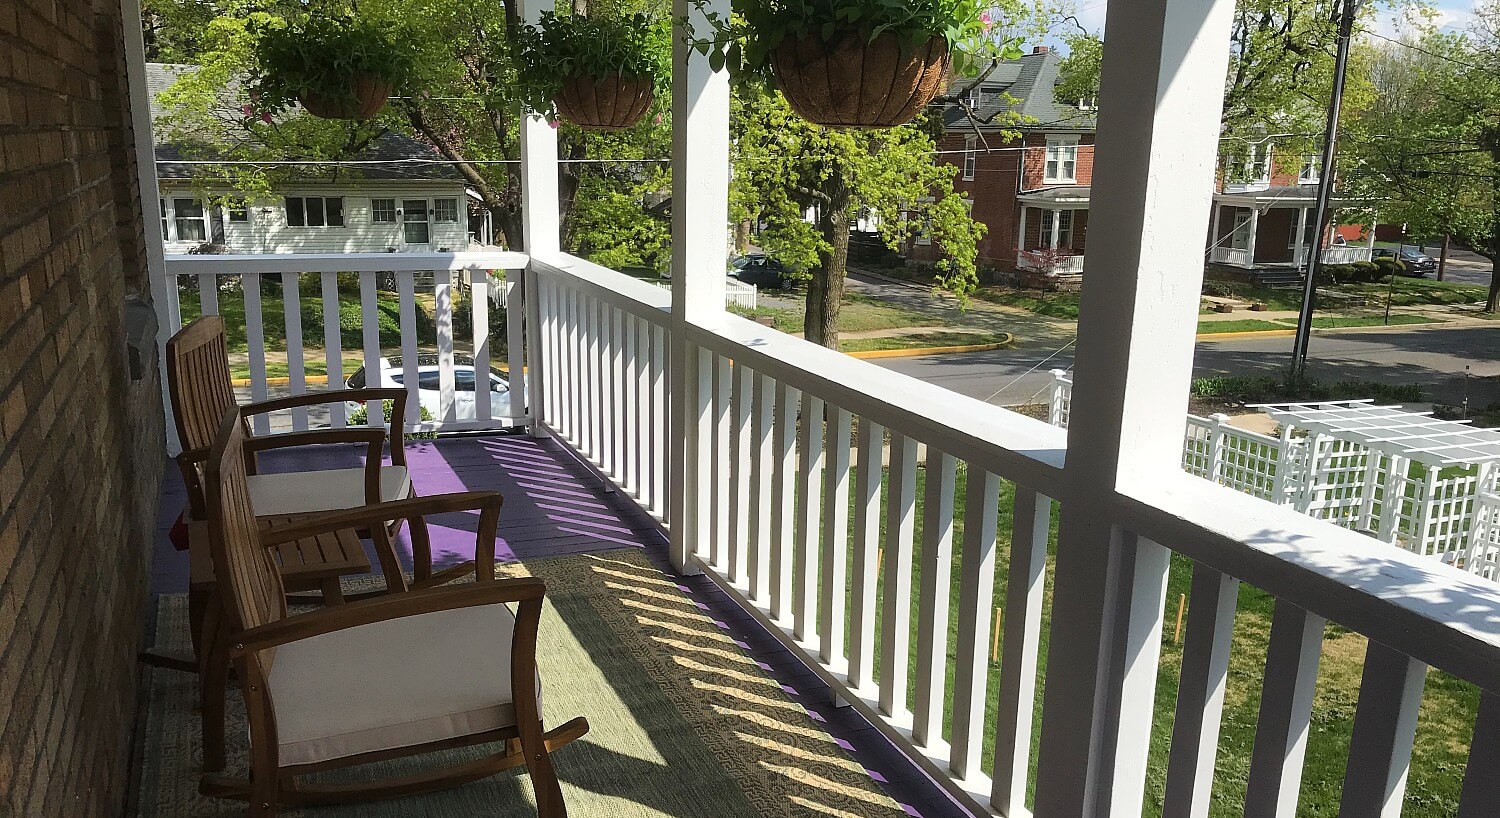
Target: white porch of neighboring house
[1275, 227]
[1050, 233]
[788, 474]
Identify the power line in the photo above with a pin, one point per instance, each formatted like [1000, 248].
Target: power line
[1419, 49]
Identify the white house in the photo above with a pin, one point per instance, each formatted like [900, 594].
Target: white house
[395, 205]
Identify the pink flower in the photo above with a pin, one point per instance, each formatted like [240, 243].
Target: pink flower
[247, 110]
[552, 122]
[658, 119]
[265, 117]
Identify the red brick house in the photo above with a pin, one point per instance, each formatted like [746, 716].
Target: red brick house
[1033, 192]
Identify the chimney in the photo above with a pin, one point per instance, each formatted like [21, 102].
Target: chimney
[1040, 49]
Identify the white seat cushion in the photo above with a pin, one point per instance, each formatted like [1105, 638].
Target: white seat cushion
[391, 684]
[328, 490]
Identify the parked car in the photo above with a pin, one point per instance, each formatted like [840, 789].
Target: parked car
[762, 271]
[429, 389]
[1417, 264]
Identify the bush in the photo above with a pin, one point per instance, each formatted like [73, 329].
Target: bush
[361, 416]
[1283, 387]
[1389, 267]
[1366, 272]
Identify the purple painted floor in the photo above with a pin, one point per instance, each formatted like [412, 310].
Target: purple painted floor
[555, 506]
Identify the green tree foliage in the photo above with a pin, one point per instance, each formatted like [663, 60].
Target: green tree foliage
[785, 166]
[1079, 72]
[1428, 144]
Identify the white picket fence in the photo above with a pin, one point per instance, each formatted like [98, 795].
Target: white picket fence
[736, 293]
[1452, 513]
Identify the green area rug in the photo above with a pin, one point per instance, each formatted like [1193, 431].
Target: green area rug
[684, 724]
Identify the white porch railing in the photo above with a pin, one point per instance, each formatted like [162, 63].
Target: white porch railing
[244, 279]
[1337, 254]
[1066, 264]
[1232, 255]
[807, 475]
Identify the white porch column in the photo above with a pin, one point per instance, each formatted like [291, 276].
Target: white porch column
[1056, 228]
[700, 219]
[541, 232]
[1021, 236]
[1299, 243]
[1213, 235]
[163, 288]
[1162, 79]
[1254, 228]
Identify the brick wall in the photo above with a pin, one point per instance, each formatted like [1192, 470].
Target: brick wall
[80, 441]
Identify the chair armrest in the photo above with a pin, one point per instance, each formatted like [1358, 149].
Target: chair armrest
[395, 394]
[527, 591]
[310, 525]
[317, 437]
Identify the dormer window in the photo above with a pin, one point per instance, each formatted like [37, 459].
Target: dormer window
[974, 98]
[1258, 163]
[1088, 103]
[1308, 175]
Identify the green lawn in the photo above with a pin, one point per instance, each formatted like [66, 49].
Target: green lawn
[1405, 292]
[1444, 727]
[1327, 321]
[926, 339]
[856, 314]
[1237, 325]
[1053, 304]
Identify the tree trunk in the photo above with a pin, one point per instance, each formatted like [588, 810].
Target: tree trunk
[742, 236]
[1443, 259]
[825, 292]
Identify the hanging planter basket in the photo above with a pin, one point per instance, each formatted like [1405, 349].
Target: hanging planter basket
[849, 82]
[367, 95]
[609, 103]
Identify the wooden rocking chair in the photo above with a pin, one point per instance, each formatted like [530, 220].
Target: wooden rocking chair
[201, 391]
[377, 679]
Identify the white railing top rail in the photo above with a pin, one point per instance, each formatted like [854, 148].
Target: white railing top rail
[631, 294]
[1436, 613]
[1014, 446]
[240, 264]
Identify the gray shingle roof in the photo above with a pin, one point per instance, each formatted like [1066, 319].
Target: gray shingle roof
[1030, 80]
[389, 147]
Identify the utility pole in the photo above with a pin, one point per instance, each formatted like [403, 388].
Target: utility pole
[1326, 175]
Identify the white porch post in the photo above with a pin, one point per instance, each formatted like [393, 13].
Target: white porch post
[163, 288]
[1021, 235]
[540, 231]
[1254, 228]
[1056, 228]
[1299, 243]
[700, 219]
[1163, 68]
[1213, 235]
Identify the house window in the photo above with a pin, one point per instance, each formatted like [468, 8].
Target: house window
[383, 211]
[1258, 163]
[974, 98]
[1057, 229]
[1062, 160]
[1088, 103]
[1308, 175]
[414, 226]
[236, 211]
[189, 220]
[161, 205]
[445, 210]
[315, 211]
[971, 158]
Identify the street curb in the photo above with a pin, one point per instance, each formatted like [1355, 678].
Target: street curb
[1287, 333]
[917, 352]
[280, 381]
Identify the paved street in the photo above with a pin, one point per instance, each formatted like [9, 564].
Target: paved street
[1436, 359]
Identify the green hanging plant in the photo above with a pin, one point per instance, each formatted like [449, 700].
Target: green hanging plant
[598, 73]
[336, 66]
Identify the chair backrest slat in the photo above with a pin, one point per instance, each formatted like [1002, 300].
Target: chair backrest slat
[248, 579]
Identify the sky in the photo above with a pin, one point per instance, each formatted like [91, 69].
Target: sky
[1448, 15]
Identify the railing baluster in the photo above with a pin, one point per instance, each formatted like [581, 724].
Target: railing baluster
[516, 359]
[410, 377]
[835, 580]
[1481, 789]
[333, 346]
[369, 305]
[866, 570]
[296, 367]
[783, 502]
[739, 474]
[660, 412]
[900, 528]
[976, 599]
[1286, 701]
[719, 452]
[573, 368]
[1024, 590]
[932, 610]
[598, 398]
[442, 286]
[809, 513]
[629, 445]
[479, 322]
[645, 411]
[208, 294]
[1385, 725]
[1200, 693]
[761, 509]
[255, 344]
[611, 393]
[1134, 660]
